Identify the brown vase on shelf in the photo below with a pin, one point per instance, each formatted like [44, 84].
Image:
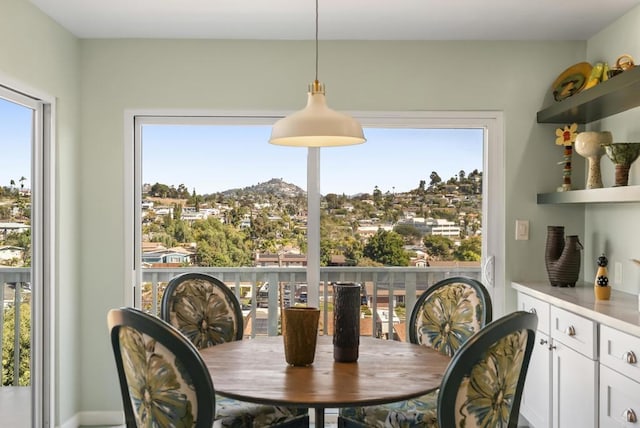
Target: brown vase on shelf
[622, 155]
[562, 257]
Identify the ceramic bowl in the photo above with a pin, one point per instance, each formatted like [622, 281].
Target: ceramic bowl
[622, 153]
[591, 143]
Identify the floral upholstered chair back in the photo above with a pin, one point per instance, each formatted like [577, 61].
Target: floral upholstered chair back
[483, 384]
[203, 308]
[163, 380]
[448, 313]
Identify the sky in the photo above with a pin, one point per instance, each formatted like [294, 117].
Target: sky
[15, 143]
[216, 158]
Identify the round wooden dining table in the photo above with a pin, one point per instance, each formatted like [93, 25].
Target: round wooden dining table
[255, 370]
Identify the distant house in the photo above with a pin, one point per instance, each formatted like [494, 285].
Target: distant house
[338, 260]
[9, 255]
[280, 260]
[172, 256]
[7, 228]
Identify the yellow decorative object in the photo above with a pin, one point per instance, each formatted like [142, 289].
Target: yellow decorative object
[605, 72]
[602, 293]
[595, 77]
[566, 137]
[571, 81]
[601, 286]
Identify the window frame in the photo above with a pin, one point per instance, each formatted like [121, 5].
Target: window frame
[492, 123]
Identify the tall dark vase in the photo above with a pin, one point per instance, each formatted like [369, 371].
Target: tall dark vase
[562, 257]
[346, 321]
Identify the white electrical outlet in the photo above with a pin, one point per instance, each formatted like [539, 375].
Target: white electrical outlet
[617, 277]
[522, 230]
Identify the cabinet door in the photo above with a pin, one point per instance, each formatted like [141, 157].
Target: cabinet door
[618, 400]
[536, 397]
[575, 388]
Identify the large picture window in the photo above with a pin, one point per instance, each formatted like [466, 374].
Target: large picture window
[212, 195]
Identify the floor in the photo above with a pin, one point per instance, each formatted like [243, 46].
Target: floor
[330, 420]
[12, 406]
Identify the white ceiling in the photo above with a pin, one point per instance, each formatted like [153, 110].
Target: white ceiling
[338, 19]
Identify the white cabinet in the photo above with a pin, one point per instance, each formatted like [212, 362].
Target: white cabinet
[575, 388]
[561, 389]
[535, 405]
[619, 377]
[619, 400]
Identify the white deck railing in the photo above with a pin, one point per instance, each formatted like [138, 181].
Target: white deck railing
[404, 284]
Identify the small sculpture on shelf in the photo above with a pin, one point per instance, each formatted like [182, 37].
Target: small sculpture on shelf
[566, 137]
[601, 287]
[590, 146]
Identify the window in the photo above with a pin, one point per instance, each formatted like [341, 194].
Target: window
[395, 179]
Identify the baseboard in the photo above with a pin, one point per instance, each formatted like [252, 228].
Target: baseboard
[113, 419]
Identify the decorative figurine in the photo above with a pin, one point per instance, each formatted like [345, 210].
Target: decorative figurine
[566, 137]
[601, 285]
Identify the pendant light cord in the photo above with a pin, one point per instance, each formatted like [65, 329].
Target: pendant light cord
[316, 40]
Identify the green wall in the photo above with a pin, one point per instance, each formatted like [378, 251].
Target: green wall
[614, 228]
[95, 81]
[513, 77]
[38, 55]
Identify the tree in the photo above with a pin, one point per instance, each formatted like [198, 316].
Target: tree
[409, 232]
[438, 247]
[24, 372]
[159, 190]
[377, 195]
[421, 186]
[469, 249]
[435, 179]
[387, 248]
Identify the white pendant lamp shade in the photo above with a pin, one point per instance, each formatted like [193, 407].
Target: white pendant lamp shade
[317, 125]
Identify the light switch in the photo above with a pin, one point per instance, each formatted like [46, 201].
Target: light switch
[522, 230]
[617, 273]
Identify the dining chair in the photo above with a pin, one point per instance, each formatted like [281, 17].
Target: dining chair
[165, 383]
[203, 308]
[483, 383]
[444, 317]
[207, 312]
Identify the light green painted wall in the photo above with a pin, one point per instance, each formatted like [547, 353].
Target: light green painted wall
[37, 54]
[249, 75]
[615, 229]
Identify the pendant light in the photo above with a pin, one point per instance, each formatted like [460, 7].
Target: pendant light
[316, 125]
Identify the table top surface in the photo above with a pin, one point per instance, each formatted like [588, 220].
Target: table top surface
[255, 370]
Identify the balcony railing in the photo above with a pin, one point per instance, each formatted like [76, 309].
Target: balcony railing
[389, 290]
[15, 295]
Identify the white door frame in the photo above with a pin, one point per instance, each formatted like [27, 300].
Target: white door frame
[42, 246]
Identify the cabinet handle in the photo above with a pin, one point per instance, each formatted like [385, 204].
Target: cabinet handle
[552, 347]
[630, 357]
[543, 342]
[630, 416]
[571, 331]
[533, 311]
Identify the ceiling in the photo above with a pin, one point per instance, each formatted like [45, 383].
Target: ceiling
[338, 19]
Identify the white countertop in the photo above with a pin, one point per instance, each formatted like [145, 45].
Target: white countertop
[620, 312]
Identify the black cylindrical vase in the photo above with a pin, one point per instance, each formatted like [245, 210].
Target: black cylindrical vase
[346, 321]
